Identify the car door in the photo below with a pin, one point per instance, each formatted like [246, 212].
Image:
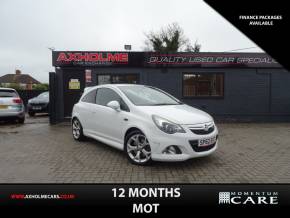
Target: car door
[87, 111]
[109, 123]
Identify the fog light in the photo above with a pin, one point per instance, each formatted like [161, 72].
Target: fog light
[172, 149]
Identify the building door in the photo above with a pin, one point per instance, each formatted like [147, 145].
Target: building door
[73, 86]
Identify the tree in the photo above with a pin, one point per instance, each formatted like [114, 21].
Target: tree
[15, 86]
[170, 39]
[195, 48]
[42, 86]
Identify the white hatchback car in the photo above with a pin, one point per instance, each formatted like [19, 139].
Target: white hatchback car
[146, 122]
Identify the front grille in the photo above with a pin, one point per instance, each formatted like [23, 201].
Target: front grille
[202, 131]
[196, 148]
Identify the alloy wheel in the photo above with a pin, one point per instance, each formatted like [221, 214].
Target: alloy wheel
[138, 148]
[76, 129]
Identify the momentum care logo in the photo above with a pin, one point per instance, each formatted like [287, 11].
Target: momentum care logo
[248, 198]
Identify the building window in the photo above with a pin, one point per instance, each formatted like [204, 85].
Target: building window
[104, 79]
[125, 78]
[203, 85]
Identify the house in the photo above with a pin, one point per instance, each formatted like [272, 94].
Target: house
[25, 81]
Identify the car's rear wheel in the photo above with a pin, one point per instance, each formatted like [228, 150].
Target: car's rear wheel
[77, 130]
[21, 120]
[137, 148]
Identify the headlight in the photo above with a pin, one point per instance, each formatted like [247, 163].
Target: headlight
[166, 125]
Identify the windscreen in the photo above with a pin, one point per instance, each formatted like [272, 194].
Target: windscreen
[148, 96]
[44, 95]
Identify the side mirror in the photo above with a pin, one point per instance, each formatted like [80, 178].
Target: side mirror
[114, 105]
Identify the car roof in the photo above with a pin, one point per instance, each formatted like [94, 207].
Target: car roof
[111, 86]
[120, 84]
[10, 89]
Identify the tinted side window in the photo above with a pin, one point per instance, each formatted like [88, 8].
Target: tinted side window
[105, 95]
[90, 97]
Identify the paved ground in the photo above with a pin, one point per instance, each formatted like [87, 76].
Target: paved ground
[38, 152]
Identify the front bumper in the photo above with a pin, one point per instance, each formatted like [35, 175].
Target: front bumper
[38, 108]
[160, 141]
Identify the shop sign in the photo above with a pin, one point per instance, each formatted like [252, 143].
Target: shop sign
[74, 84]
[210, 59]
[154, 59]
[89, 58]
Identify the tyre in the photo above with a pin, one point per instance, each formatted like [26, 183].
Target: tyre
[21, 120]
[77, 130]
[31, 113]
[137, 148]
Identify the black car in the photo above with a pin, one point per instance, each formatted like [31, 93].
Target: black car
[39, 104]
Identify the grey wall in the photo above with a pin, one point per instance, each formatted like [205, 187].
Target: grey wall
[249, 94]
[280, 92]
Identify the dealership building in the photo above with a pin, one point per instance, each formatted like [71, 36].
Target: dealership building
[229, 86]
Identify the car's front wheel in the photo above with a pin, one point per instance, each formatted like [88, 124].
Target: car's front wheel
[77, 130]
[137, 148]
[31, 113]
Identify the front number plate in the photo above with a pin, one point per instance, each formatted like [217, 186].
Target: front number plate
[36, 108]
[206, 142]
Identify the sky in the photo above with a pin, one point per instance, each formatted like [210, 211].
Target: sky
[28, 28]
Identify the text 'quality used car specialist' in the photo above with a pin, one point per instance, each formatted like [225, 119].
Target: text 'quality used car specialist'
[11, 105]
[146, 122]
